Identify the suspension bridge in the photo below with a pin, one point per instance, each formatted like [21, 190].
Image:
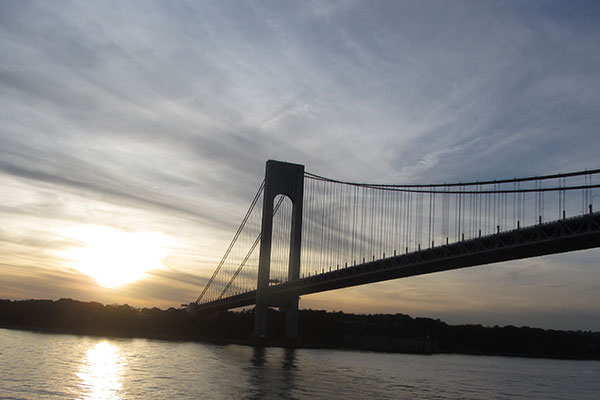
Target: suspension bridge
[315, 234]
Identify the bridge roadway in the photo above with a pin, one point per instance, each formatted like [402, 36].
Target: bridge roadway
[571, 234]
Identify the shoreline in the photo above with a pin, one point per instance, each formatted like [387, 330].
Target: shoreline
[275, 344]
[386, 333]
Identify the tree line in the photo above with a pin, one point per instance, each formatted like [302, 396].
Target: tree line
[379, 332]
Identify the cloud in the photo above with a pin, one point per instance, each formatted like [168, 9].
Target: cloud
[163, 114]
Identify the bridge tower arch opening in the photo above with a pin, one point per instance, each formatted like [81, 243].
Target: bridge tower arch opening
[280, 240]
[286, 179]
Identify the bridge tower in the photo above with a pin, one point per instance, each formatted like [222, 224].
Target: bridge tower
[286, 179]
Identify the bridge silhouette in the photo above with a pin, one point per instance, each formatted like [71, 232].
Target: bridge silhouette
[315, 234]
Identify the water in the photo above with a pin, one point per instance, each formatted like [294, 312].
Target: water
[46, 366]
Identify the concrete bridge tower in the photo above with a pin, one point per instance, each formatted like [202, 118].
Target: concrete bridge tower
[285, 179]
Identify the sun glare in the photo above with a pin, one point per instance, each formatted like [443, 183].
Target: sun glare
[114, 258]
[101, 373]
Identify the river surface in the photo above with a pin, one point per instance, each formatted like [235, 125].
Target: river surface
[50, 366]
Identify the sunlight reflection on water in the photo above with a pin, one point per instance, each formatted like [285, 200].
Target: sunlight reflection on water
[101, 372]
[55, 367]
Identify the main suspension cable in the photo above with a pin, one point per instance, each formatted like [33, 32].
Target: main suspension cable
[410, 188]
[235, 237]
[473, 183]
[243, 263]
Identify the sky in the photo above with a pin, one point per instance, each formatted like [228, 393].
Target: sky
[140, 130]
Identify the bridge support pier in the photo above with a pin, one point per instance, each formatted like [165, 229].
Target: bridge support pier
[286, 179]
[291, 321]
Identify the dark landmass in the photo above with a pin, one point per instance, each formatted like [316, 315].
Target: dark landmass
[318, 329]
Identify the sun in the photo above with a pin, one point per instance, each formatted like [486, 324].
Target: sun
[112, 257]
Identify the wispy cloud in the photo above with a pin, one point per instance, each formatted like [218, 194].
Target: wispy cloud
[162, 114]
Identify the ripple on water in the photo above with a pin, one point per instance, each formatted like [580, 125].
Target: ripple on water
[45, 366]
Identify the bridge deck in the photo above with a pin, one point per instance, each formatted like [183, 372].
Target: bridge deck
[560, 236]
